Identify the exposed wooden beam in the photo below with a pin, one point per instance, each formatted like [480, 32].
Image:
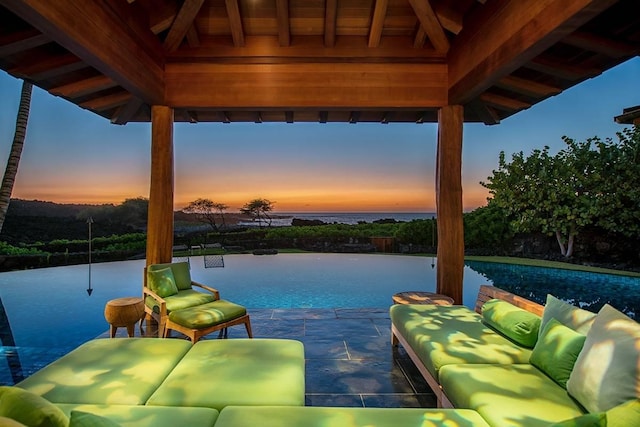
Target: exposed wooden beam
[556, 68]
[420, 38]
[235, 22]
[323, 116]
[449, 18]
[282, 9]
[503, 103]
[430, 24]
[527, 87]
[107, 102]
[449, 203]
[377, 23]
[604, 46]
[160, 213]
[505, 34]
[192, 37]
[162, 15]
[103, 40]
[288, 116]
[354, 117]
[84, 87]
[486, 114]
[192, 116]
[182, 24]
[387, 86]
[125, 113]
[46, 67]
[330, 15]
[19, 41]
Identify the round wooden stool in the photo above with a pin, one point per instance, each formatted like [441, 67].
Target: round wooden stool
[417, 297]
[124, 312]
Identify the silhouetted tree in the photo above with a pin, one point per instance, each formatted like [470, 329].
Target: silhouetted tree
[206, 210]
[259, 210]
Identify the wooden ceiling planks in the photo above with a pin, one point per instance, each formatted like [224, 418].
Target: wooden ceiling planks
[498, 56]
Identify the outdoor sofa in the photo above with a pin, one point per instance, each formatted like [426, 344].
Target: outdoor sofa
[518, 363]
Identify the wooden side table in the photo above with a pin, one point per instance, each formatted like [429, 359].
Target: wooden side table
[417, 297]
[124, 312]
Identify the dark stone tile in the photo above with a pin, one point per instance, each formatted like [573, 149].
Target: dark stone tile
[340, 328]
[383, 326]
[362, 313]
[279, 329]
[260, 313]
[378, 348]
[413, 375]
[304, 313]
[334, 400]
[324, 348]
[354, 376]
[400, 400]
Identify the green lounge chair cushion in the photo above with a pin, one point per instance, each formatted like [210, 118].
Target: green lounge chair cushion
[508, 395]
[556, 351]
[122, 371]
[516, 323]
[9, 422]
[607, 372]
[148, 416]
[598, 419]
[181, 300]
[627, 414]
[86, 419]
[444, 335]
[239, 372]
[30, 409]
[278, 416]
[203, 316]
[162, 282]
[578, 319]
[180, 273]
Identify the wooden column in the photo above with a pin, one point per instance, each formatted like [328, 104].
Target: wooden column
[449, 202]
[160, 218]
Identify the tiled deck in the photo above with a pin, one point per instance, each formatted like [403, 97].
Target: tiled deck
[349, 358]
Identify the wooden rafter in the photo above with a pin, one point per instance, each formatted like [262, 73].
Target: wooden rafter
[330, 15]
[46, 67]
[192, 36]
[506, 34]
[84, 87]
[527, 87]
[235, 22]
[449, 18]
[19, 41]
[485, 113]
[107, 102]
[182, 24]
[503, 102]
[162, 15]
[377, 23]
[559, 69]
[284, 33]
[597, 44]
[430, 24]
[420, 38]
[126, 111]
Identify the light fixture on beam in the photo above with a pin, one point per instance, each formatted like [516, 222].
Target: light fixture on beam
[225, 117]
[259, 118]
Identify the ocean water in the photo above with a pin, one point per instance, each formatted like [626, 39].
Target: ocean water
[283, 219]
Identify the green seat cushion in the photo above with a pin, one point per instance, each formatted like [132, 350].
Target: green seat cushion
[30, 409]
[148, 416]
[278, 416]
[218, 373]
[556, 351]
[508, 395]
[9, 422]
[516, 323]
[181, 300]
[607, 372]
[180, 270]
[578, 319]
[206, 315]
[117, 371]
[444, 335]
[162, 282]
[598, 419]
[627, 414]
[87, 419]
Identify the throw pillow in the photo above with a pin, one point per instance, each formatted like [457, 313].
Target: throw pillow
[162, 282]
[607, 372]
[569, 315]
[30, 409]
[556, 351]
[181, 273]
[514, 322]
[86, 419]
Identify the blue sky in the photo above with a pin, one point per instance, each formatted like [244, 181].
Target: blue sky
[72, 155]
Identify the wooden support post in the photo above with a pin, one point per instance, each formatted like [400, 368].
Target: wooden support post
[449, 202]
[160, 218]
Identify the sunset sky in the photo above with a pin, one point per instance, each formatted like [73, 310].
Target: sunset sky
[74, 156]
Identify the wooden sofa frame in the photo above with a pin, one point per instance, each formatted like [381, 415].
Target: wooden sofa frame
[485, 293]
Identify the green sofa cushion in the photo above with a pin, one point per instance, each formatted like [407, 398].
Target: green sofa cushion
[514, 322]
[578, 319]
[9, 422]
[148, 416]
[30, 409]
[181, 300]
[162, 282]
[180, 270]
[87, 419]
[116, 371]
[607, 372]
[598, 419]
[556, 351]
[278, 416]
[238, 372]
[206, 315]
[444, 335]
[627, 414]
[508, 395]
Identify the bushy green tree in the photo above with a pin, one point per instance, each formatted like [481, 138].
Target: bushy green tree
[487, 227]
[419, 231]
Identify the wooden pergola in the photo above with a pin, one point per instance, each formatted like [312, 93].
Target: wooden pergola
[444, 61]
